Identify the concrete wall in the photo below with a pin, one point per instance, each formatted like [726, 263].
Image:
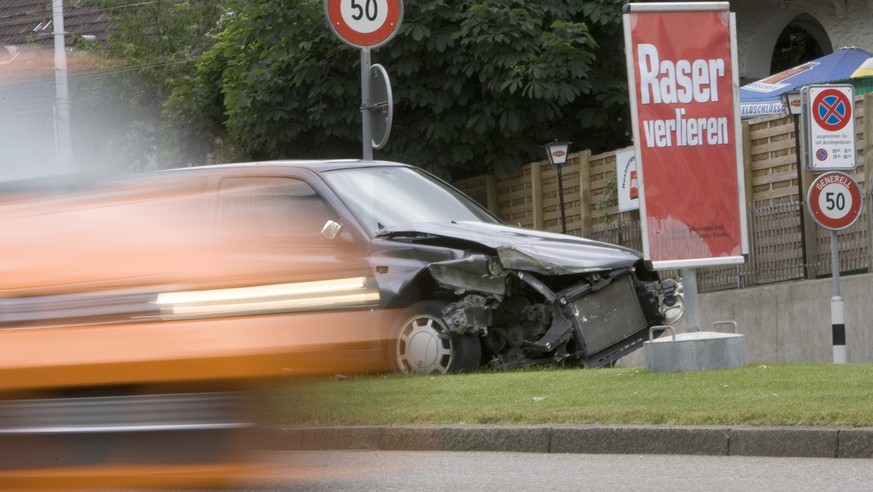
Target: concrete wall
[790, 321]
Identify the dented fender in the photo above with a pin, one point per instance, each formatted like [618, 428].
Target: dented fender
[470, 273]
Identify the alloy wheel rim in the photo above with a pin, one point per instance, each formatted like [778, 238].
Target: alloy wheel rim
[420, 347]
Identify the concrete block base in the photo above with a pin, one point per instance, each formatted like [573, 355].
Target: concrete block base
[696, 351]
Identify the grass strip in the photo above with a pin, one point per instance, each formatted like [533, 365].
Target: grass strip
[760, 394]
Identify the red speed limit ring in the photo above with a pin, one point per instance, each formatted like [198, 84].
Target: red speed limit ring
[834, 200]
[364, 23]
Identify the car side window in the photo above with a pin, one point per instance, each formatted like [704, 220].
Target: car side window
[271, 209]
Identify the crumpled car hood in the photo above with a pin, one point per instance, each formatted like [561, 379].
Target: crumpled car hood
[530, 250]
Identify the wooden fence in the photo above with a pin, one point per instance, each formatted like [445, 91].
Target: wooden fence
[785, 242]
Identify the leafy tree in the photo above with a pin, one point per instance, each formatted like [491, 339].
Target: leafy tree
[478, 85]
[151, 50]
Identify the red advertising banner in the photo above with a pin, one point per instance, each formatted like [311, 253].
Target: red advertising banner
[681, 71]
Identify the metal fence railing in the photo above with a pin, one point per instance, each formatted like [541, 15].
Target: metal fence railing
[776, 249]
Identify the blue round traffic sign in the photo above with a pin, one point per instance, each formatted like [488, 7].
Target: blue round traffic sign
[832, 110]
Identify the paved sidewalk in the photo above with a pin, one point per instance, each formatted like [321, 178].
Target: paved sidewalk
[818, 442]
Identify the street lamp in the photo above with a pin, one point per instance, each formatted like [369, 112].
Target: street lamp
[557, 152]
[792, 107]
[791, 103]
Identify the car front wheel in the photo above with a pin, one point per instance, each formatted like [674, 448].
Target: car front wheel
[426, 345]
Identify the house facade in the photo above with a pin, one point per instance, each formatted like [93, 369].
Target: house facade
[832, 24]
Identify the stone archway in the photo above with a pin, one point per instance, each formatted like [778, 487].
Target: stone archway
[759, 51]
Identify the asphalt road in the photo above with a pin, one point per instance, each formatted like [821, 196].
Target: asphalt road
[423, 471]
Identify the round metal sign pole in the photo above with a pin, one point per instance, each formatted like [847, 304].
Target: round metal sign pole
[366, 24]
[366, 115]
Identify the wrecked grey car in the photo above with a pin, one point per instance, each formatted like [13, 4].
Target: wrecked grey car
[463, 289]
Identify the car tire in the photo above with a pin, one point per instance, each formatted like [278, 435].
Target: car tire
[424, 344]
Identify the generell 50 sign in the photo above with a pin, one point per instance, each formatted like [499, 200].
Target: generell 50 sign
[681, 60]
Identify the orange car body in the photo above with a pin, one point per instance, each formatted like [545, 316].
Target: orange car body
[131, 331]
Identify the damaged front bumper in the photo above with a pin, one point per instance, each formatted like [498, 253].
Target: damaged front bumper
[593, 322]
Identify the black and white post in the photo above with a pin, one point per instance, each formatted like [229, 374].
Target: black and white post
[838, 318]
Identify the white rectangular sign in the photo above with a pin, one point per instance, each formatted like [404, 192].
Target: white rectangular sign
[829, 125]
[627, 184]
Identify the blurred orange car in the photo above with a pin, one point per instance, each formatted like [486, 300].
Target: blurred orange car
[131, 331]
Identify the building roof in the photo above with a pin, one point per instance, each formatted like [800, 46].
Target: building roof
[27, 37]
[29, 23]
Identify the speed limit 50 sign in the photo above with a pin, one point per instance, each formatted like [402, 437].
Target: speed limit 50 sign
[834, 200]
[364, 23]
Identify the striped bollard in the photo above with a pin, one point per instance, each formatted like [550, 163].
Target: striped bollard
[838, 327]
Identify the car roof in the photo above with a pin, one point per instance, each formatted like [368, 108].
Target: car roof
[90, 182]
[313, 165]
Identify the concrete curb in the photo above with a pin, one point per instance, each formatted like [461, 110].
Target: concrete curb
[815, 442]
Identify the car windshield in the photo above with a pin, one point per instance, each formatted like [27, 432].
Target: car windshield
[383, 197]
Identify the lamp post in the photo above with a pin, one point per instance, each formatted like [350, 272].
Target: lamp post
[557, 152]
[791, 106]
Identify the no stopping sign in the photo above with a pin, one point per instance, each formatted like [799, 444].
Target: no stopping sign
[828, 127]
[364, 23]
[834, 200]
